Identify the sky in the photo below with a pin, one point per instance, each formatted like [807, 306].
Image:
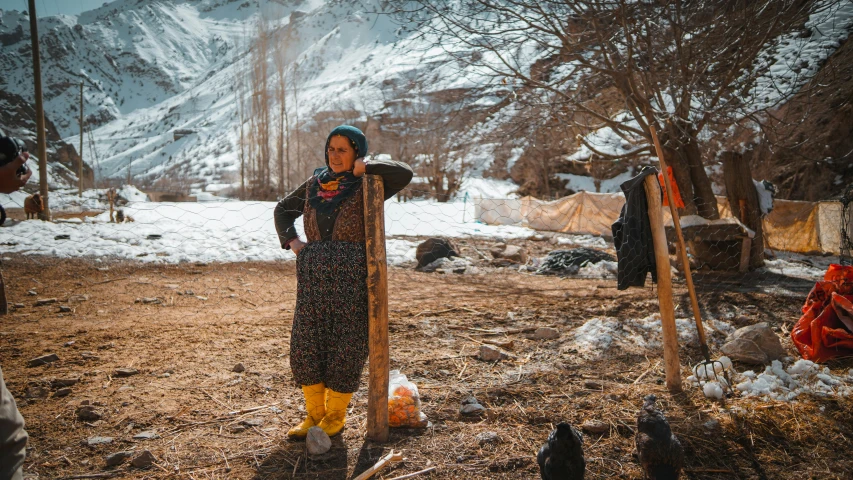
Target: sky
[46, 8]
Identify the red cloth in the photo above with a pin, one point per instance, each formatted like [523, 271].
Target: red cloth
[821, 334]
[679, 202]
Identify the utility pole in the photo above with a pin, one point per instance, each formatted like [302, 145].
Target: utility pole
[80, 167]
[40, 133]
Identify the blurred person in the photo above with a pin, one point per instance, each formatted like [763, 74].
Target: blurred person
[329, 339]
[13, 438]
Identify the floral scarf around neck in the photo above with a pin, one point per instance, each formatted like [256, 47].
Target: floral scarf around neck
[328, 190]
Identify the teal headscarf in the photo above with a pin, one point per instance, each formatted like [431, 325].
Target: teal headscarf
[328, 190]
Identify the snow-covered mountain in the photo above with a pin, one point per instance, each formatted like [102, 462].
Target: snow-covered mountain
[151, 67]
[161, 79]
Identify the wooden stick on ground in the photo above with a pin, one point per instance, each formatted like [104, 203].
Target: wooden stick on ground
[377, 304]
[394, 456]
[415, 474]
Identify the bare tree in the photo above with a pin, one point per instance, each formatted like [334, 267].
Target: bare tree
[677, 65]
[283, 138]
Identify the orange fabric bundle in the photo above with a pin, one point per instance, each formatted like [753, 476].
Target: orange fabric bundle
[679, 202]
[822, 333]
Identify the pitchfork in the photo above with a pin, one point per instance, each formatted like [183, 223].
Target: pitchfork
[709, 368]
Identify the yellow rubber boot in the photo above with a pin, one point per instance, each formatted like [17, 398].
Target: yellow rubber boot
[314, 405]
[336, 412]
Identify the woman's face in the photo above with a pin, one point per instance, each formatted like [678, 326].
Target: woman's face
[341, 154]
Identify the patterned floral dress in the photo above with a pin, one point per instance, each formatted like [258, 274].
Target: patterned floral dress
[329, 340]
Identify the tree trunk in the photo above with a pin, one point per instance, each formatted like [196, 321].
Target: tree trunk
[743, 200]
[682, 152]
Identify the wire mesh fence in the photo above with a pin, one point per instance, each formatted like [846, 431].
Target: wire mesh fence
[797, 239]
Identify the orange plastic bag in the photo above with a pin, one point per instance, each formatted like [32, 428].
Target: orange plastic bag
[821, 334]
[679, 202]
[404, 403]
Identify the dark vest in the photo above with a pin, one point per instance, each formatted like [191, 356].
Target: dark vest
[349, 225]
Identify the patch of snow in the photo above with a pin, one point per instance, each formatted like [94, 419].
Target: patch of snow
[802, 378]
[597, 336]
[226, 231]
[765, 197]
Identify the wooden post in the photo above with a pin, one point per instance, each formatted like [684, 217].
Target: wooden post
[80, 166]
[743, 200]
[40, 132]
[672, 366]
[377, 300]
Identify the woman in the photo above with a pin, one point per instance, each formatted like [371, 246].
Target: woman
[328, 344]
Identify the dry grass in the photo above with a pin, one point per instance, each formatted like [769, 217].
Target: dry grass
[437, 325]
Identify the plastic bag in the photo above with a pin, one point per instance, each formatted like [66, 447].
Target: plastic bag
[404, 403]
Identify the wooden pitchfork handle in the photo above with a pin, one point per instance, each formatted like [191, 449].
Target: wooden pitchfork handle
[676, 221]
[394, 456]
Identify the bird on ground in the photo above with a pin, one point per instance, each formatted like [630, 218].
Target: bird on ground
[561, 458]
[658, 449]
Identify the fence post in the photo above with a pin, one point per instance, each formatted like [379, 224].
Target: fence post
[377, 301]
[672, 367]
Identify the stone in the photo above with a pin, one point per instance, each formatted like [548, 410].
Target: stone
[489, 353]
[143, 460]
[317, 441]
[116, 459]
[471, 406]
[62, 392]
[596, 427]
[92, 441]
[44, 301]
[447, 265]
[64, 382]
[64, 309]
[32, 293]
[125, 372]
[512, 253]
[754, 344]
[43, 360]
[18, 305]
[593, 385]
[36, 392]
[488, 438]
[472, 409]
[78, 298]
[69, 343]
[253, 422]
[712, 424]
[147, 435]
[546, 333]
[239, 368]
[88, 413]
[148, 300]
[432, 249]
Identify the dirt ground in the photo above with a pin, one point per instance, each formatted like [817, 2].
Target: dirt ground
[211, 317]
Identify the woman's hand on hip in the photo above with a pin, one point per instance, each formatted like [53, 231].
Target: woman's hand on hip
[296, 246]
[359, 168]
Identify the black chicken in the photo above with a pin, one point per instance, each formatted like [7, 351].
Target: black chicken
[658, 449]
[561, 458]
